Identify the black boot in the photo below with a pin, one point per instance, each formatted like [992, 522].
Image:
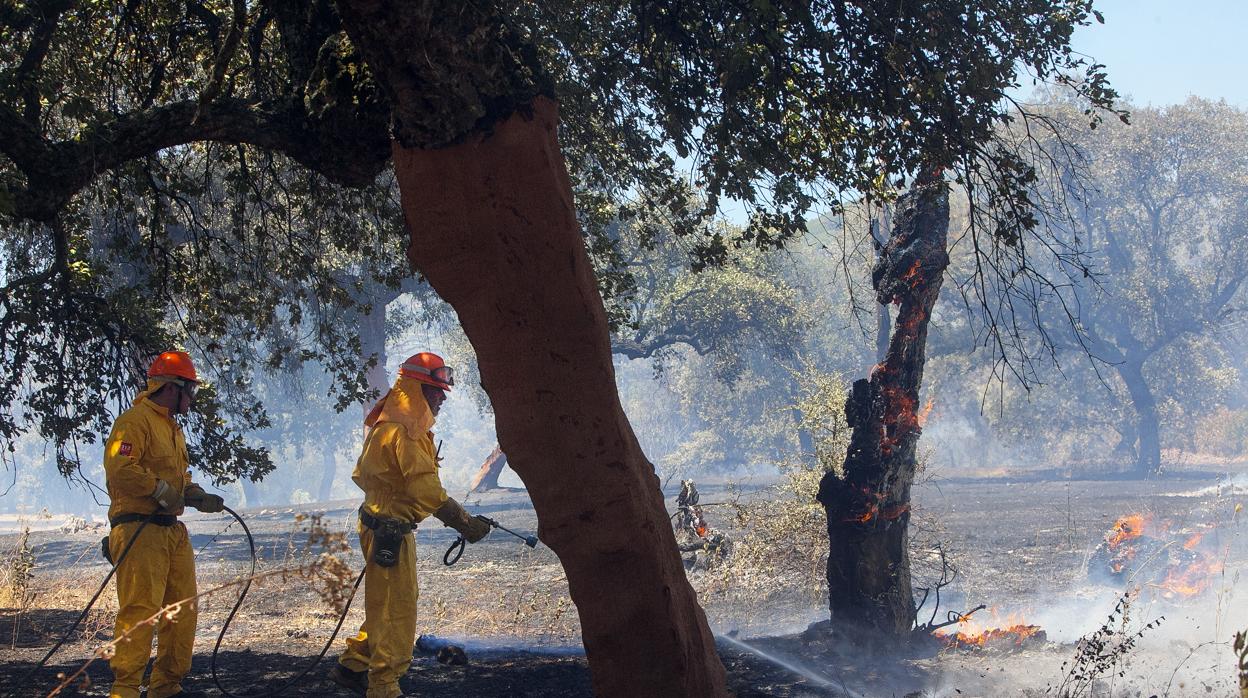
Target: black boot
[354, 681]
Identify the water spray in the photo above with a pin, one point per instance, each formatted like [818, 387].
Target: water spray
[819, 680]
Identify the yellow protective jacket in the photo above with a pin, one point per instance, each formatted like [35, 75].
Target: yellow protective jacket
[398, 467]
[146, 444]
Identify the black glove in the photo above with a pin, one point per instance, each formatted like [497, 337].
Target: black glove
[472, 528]
[197, 498]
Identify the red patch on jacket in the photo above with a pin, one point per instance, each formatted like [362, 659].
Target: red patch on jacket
[125, 448]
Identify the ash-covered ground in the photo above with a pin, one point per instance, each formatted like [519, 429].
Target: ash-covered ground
[1021, 546]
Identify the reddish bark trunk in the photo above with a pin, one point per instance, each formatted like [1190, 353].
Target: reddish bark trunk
[494, 231]
[868, 509]
[487, 476]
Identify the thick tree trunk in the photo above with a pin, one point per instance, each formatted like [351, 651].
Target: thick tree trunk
[1148, 424]
[868, 509]
[494, 231]
[487, 476]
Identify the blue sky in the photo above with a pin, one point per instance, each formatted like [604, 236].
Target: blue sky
[1160, 51]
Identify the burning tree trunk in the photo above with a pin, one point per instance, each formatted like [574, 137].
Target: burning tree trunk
[494, 231]
[868, 508]
[487, 476]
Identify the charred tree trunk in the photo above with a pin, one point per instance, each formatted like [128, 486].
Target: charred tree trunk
[1147, 422]
[494, 231]
[881, 228]
[487, 476]
[868, 508]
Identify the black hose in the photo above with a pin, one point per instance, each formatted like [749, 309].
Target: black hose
[238, 604]
[120, 558]
[453, 553]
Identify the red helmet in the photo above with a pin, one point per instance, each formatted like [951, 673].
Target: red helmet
[428, 368]
[173, 363]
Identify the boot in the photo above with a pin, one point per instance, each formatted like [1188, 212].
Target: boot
[354, 681]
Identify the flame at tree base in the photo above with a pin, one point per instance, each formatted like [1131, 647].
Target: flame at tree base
[1011, 638]
[1008, 633]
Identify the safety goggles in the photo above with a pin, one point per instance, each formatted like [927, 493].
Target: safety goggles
[442, 374]
[188, 387]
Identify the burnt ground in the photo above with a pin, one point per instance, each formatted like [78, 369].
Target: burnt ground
[1021, 546]
[510, 673]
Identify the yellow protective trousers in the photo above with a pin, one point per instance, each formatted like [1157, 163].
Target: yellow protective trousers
[384, 644]
[159, 570]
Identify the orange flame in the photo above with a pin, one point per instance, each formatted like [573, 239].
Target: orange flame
[1193, 579]
[971, 634]
[1015, 634]
[927, 410]
[1126, 528]
[913, 277]
[873, 508]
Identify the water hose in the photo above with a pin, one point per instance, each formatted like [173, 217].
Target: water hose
[456, 551]
[216, 679]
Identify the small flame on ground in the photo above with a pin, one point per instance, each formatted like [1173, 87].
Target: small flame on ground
[1190, 575]
[1127, 528]
[1011, 631]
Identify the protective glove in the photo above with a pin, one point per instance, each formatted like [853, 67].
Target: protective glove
[197, 498]
[472, 528]
[168, 497]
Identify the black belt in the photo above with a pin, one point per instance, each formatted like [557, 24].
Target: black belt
[158, 519]
[374, 523]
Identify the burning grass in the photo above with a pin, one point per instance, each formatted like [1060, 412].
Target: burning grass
[1174, 561]
[974, 632]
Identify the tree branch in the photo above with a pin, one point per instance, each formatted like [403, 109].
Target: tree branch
[57, 171]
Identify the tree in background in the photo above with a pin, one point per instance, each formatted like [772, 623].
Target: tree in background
[1166, 221]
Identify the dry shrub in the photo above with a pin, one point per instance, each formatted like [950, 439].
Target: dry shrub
[1102, 653]
[15, 579]
[17, 572]
[331, 577]
[1223, 432]
[780, 543]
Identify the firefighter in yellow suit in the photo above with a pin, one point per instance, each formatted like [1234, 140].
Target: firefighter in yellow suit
[146, 467]
[398, 471]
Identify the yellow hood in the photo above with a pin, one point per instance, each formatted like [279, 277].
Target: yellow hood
[405, 405]
[153, 384]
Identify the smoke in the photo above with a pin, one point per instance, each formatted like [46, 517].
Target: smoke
[1231, 486]
[964, 442]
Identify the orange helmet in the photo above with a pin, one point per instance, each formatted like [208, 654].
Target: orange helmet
[173, 363]
[428, 368]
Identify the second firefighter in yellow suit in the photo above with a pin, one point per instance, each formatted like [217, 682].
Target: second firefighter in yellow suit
[149, 483]
[398, 471]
